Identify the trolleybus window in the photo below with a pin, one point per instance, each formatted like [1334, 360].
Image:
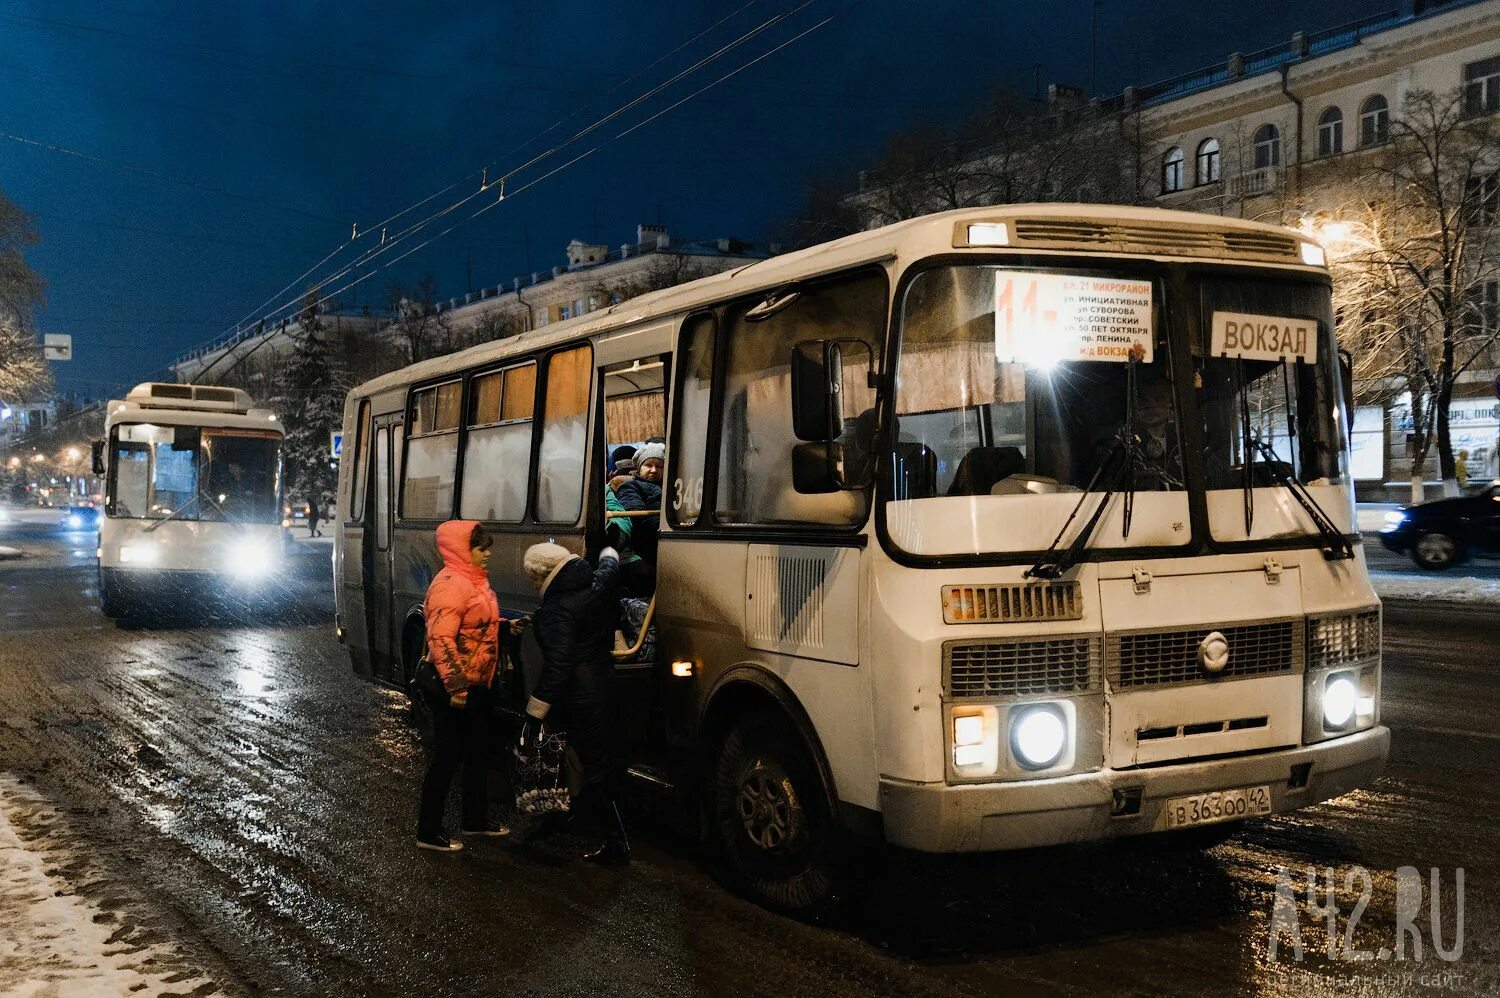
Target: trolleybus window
[427, 491]
[694, 385]
[755, 445]
[497, 449]
[187, 473]
[559, 476]
[240, 476]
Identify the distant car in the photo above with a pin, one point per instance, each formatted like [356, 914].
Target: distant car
[1444, 532]
[81, 516]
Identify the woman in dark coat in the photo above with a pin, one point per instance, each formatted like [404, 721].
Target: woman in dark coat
[575, 626]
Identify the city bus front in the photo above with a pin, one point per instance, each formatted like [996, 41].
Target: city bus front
[1121, 590]
[191, 509]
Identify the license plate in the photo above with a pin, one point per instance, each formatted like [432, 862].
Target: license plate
[1221, 805]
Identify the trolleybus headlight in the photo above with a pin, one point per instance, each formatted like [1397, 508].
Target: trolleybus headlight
[252, 559]
[1340, 699]
[144, 555]
[1038, 735]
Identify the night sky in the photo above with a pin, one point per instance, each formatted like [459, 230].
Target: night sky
[242, 144]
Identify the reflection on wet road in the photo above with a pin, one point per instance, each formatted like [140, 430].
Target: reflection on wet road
[236, 787]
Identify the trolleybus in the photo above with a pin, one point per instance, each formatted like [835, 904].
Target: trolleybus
[996, 528]
[192, 509]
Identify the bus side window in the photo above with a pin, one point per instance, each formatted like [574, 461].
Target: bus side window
[559, 473]
[383, 489]
[689, 455]
[497, 448]
[361, 471]
[432, 460]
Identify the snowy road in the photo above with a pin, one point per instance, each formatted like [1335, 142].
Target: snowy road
[232, 805]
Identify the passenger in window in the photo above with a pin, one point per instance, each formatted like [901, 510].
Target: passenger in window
[643, 493]
[463, 643]
[575, 627]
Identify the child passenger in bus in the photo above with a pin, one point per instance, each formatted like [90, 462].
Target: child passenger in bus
[641, 494]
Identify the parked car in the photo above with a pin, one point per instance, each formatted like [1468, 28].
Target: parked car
[81, 516]
[1444, 532]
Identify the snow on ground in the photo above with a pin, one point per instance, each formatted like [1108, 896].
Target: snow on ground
[9, 552]
[56, 944]
[1436, 588]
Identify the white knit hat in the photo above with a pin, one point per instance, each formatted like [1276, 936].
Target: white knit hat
[543, 560]
[648, 451]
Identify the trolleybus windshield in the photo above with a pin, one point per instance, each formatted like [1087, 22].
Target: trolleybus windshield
[191, 473]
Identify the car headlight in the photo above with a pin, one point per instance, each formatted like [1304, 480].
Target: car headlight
[252, 559]
[144, 555]
[1038, 735]
[1393, 520]
[74, 520]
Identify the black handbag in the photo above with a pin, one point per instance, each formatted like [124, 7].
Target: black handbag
[426, 685]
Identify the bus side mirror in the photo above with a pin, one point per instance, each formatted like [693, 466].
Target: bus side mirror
[98, 449]
[815, 401]
[1346, 380]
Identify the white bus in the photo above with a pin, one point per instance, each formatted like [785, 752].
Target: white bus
[991, 529]
[192, 506]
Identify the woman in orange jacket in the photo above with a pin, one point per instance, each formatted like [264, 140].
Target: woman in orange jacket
[463, 643]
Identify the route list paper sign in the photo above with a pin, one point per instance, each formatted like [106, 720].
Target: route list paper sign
[1044, 319]
[1264, 337]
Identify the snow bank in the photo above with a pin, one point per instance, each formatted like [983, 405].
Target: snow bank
[1436, 587]
[57, 944]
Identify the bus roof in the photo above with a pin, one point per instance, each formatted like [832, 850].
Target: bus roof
[1114, 230]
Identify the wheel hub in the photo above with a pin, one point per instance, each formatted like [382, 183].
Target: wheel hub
[1436, 547]
[768, 808]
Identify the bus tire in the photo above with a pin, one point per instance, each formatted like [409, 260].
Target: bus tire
[773, 822]
[110, 602]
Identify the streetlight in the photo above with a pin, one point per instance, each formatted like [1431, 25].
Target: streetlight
[74, 454]
[38, 458]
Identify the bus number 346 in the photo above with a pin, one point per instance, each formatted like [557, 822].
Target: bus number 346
[689, 493]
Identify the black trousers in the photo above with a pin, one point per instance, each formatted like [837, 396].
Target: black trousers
[592, 734]
[639, 578]
[461, 739]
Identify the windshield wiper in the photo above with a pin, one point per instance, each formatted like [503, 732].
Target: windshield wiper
[1336, 546]
[1050, 565]
[172, 515]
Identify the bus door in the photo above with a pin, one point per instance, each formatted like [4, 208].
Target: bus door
[635, 406]
[354, 507]
[380, 622]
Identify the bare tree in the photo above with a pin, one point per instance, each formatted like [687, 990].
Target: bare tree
[1416, 256]
[23, 372]
[415, 320]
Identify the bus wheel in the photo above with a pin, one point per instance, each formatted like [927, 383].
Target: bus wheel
[773, 818]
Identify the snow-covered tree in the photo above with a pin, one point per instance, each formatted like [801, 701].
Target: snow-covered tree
[23, 372]
[312, 404]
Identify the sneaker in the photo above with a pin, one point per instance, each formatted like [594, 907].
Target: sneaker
[439, 843]
[493, 832]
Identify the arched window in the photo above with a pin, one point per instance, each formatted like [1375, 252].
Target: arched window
[1267, 147]
[1374, 121]
[1331, 132]
[1208, 162]
[1171, 170]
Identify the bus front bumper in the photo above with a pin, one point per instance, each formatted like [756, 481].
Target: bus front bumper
[937, 817]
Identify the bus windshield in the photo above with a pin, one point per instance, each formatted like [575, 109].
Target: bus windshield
[1017, 385]
[1017, 389]
[190, 473]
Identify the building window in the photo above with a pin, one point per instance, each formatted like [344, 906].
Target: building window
[1482, 197]
[1484, 301]
[1171, 170]
[1331, 132]
[1208, 162]
[1482, 87]
[1374, 121]
[1267, 147]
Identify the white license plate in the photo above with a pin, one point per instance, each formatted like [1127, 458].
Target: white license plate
[1221, 805]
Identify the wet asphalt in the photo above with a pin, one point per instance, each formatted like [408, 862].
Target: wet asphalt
[228, 786]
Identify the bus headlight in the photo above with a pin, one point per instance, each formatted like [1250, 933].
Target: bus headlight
[1038, 735]
[142, 555]
[1340, 695]
[976, 741]
[252, 559]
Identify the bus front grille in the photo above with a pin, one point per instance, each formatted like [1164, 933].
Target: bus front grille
[1169, 658]
[1018, 602]
[986, 668]
[1177, 240]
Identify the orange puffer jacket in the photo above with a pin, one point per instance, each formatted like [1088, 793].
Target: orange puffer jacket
[463, 616]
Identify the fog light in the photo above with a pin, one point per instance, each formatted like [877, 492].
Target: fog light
[1340, 699]
[144, 555]
[1038, 736]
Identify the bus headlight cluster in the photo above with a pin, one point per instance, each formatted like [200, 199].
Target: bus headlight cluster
[976, 741]
[252, 559]
[141, 555]
[1347, 704]
[1013, 741]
